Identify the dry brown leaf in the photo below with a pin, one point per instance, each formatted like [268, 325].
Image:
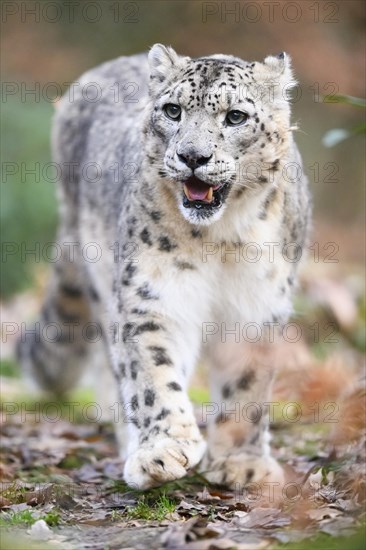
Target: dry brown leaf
[323, 513]
[4, 502]
[207, 497]
[40, 496]
[264, 518]
[341, 526]
[196, 534]
[190, 506]
[88, 474]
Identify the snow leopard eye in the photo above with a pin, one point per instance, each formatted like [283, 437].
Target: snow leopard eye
[233, 118]
[172, 111]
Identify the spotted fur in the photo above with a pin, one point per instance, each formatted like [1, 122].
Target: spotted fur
[169, 268]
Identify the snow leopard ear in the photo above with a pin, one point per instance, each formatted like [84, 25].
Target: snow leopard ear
[280, 68]
[163, 60]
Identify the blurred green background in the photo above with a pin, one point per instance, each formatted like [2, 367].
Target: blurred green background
[54, 42]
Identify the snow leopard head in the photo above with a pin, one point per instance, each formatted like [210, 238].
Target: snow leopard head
[218, 127]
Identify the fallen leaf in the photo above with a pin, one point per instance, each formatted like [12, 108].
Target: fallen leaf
[263, 517]
[240, 514]
[342, 526]
[206, 496]
[179, 534]
[4, 502]
[113, 469]
[190, 506]
[40, 496]
[319, 514]
[88, 474]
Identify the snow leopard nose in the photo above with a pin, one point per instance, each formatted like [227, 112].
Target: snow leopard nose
[193, 159]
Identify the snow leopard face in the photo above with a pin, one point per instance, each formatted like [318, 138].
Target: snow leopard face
[218, 126]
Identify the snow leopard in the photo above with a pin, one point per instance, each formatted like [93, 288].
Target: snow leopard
[183, 219]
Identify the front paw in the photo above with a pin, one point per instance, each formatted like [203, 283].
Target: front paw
[164, 460]
[236, 471]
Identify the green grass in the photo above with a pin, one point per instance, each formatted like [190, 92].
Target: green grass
[52, 518]
[153, 511]
[9, 368]
[14, 493]
[148, 509]
[26, 518]
[23, 518]
[327, 542]
[190, 483]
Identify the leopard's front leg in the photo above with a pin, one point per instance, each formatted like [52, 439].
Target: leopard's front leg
[238, 417]
[154, 359]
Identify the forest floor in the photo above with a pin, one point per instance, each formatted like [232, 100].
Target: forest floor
[61, 481]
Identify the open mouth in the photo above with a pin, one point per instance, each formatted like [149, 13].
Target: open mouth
[199, 194]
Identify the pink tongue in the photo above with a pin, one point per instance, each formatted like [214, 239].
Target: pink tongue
[197, 189]
[197, 195]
